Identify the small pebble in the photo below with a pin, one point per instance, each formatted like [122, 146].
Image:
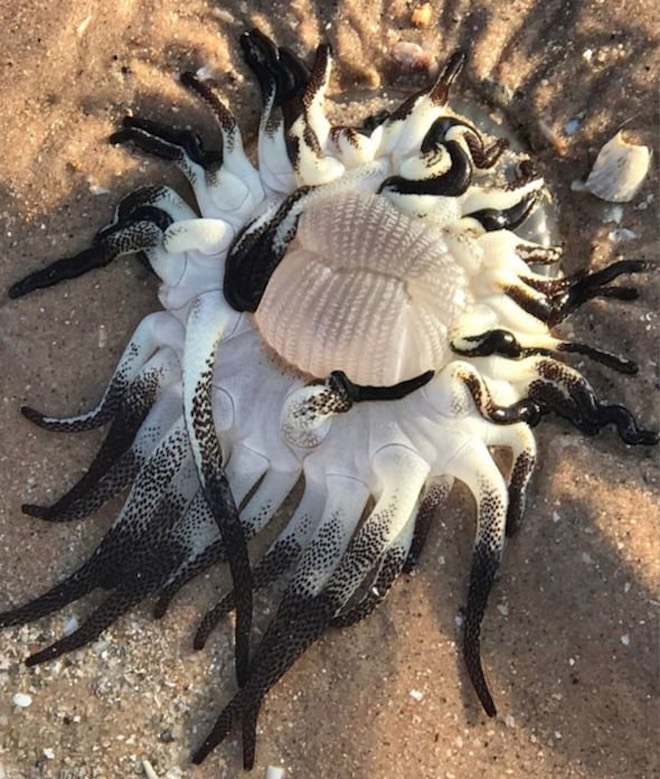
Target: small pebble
[275, 772]
[416, 695]
[625, 639]
[49, 753]
[22, 700]
[621, 234]
[149, 770]
[572, 126]
[421, 15]
[612, 214]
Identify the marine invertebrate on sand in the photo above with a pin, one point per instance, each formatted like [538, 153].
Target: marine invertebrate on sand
[357, 311]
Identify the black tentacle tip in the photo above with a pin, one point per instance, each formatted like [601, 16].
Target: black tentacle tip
[22, 287]
[49, 653]
[32, 415]
[476, 674]
[32, 510]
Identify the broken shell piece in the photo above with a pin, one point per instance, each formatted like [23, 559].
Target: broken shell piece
[619, 170]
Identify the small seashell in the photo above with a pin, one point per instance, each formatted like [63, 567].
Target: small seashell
[619, 170]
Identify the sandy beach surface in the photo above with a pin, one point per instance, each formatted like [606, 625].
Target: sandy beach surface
[571, 637]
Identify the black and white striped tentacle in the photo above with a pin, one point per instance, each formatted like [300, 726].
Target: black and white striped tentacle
[138, 225]
[281, 556]
[137, 555]
[301, 618]
[147, 412]
[155, 331]
[210, 320]
[332, 569]
[474, 466]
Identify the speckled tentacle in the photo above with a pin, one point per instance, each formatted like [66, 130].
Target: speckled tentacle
[235, 160]
[244, 470]
[475, 468]
[519, 439]
[206, 545]
[405, 128]
[135, 549]
[496, 209]
[197, 532]
[434, 499]
[155, 330]
[330, 573]
[557, 388]
[183, 147]
[209, 321]
[382, 545]
[294, 631]
[303, 616]
[281, 76]
[390, 525]
[143, 570]
[569, 395]
[506, 344]
[138, 225]
[308, 130]
[146, 413]
[307, 412]
[224, 181]
[280, 557]
[553, 307]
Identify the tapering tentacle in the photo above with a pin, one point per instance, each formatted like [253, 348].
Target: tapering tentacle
[506, 344]
[155, 330]
[210, 320]
[303, 616]
[280, 557]
[146, 413]
[138, 225]
[327, 577]
[254, 516]
[519, 439]
[434, 499]
[136, 535]
[198, 533]
[554, 307]
[474, 466]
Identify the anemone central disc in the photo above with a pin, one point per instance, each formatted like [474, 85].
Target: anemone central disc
[365, 289]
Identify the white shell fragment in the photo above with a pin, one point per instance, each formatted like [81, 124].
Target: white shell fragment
[22, 700]
[619, 170]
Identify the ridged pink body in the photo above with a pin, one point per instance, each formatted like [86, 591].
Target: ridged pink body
[364, 289]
